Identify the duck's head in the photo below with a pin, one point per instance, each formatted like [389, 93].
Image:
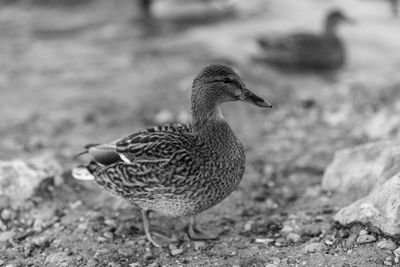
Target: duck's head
[334, 18]
[217, 83]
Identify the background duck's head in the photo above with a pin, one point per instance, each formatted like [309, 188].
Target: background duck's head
[334, 18]
[217, 83]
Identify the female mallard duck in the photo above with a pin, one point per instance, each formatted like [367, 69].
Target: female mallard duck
[307, 50]
[177, 169]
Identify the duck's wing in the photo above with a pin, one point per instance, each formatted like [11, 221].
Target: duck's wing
[157, 143]
[157, 159]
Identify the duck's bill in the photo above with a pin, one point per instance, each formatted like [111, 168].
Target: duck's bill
[249, 96]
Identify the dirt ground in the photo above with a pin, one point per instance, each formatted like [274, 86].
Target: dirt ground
[72, 75]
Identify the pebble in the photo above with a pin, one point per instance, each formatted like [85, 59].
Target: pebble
[396, 260]
[10, 265]
[264, 240]
[388, 263]
[293, 237]
[363, 232]
[3, 227]
[199, 244]
[101, 239]
[7, 214]
[92, 263]
[397, 252]
[286, 229]
[41, 241]
[386, 244]
[362, 239]
[6, 236]
[248, 226]
[1, 262]
[276, 260]
[311, 230]
[176, 251]
[108, 235]
[148, 255]
[154, 264]
[314, 247]
[271, 265]
[126, 251]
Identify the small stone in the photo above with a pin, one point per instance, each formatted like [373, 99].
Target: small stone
[386, 244]
[314, 247]
[329, 242]
[3, 227]
[199, 244]
[397, 252]
[111, 222]
[108, 235]
[233, 253]
[154, 264]
[1, 262]
[264, 240]
[92, 263]
[396, 260]
[363, 232]
[148, 255]
[293, 237]
[41, 241]
[101, 239]
[387, 263]
[7, 214]
[172, 246]
[75, 204]
[248, 226]
[10, 265]
[6, 236]
[286, 229]
[128, 251]
[271, 265]
[134, 264]
[365, 239]
[311, 230]
[276, 260]
[141, 242]
[177, 251]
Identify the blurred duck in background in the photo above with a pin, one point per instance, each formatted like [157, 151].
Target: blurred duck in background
[323, 51]
[145, 6]
[395, 7]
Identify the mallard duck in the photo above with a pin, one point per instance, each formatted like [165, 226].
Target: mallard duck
[394, 4]
[178, 169]
[307, 50]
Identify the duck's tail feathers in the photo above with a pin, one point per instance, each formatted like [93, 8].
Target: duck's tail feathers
[82, 173]
[87, 147]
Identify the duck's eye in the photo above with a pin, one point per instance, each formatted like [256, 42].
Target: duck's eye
[227, 80]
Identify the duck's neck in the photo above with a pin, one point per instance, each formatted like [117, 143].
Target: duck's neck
[330, 27]
[205, 115]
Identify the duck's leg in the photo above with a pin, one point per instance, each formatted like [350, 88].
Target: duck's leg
[196, 233]
[155, 237]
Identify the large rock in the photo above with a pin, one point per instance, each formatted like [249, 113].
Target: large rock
[381, 208]
[358, 170]
[19, 179]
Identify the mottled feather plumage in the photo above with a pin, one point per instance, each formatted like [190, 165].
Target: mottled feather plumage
[179, 169]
